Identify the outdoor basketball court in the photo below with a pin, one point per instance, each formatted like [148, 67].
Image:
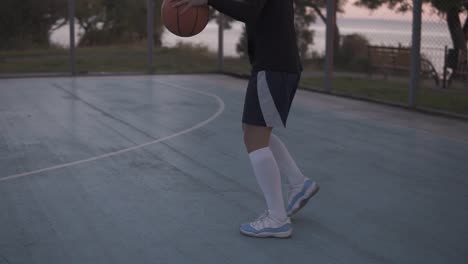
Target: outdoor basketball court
[152, 169]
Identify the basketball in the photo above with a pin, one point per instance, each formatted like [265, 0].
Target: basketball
[188, 24]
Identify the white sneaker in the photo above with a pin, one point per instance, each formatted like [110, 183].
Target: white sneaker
[298, 196]
[267, 226]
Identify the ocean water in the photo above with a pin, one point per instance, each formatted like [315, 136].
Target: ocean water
[435, 36]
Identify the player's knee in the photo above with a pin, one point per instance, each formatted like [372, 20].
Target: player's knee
[247, 138]
[255, 138]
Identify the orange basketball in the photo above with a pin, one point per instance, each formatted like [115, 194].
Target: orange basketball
[188, 24]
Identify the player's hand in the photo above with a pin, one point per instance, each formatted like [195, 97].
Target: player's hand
[188, 3]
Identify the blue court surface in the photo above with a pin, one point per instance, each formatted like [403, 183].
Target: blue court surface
[152, 169]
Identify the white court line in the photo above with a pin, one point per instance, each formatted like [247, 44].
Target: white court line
[110, 154]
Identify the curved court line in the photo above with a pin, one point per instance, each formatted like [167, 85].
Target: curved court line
[221, 107]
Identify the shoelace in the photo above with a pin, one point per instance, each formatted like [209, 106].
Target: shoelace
[259, 222]
[262, 216]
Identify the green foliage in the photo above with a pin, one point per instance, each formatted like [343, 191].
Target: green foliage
[322, 3]
[28, 23]
[400, 5]
[116, 21]
[352, 54]
[445, 5]
[450, 9]
[241, 46]
[302, 21]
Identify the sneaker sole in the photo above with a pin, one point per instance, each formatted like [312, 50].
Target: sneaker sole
[304, 201]
[282, 235]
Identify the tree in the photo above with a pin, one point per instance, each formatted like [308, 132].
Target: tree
[449, 9]
[116, 21]
[29, 22]
[302, 20]
[318, 6]
[89, 14]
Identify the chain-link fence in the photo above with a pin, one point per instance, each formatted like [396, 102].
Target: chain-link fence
[448, 43]
[108, 37]
[373, 55]
[370, 55]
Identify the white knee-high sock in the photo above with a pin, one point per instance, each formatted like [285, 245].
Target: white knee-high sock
[286, 163]
[268, 177]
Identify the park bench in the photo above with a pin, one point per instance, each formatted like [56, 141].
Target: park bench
[397, 61]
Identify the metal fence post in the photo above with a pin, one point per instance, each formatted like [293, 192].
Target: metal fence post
[415, 53]
[150, 34]
[220, 42]
[71, 22]
[329, 50]
[444, 80]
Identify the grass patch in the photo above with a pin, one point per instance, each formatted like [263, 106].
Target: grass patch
[180, 59]
[34, 61]
[185, 58]
[449, 100]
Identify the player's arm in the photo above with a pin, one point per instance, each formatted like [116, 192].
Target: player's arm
[246, 11]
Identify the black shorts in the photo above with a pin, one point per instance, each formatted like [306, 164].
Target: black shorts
[269, 97]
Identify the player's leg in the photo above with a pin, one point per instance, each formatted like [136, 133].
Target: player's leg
[268, 101]
[301, 188]
[274, 223]
[282, 88]
[286, 163]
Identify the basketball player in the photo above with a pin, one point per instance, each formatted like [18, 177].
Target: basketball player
[276, 70]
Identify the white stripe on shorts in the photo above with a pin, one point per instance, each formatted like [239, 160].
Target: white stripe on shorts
[269, 110]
